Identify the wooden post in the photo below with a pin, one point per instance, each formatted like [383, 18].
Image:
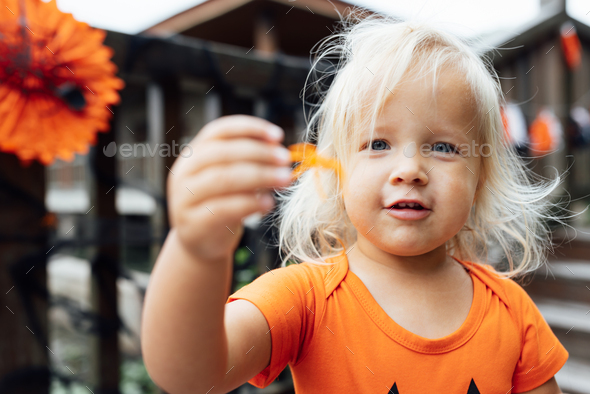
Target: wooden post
[24, 357]
[105, 266]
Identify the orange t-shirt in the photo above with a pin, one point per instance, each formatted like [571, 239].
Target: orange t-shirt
[325, 324]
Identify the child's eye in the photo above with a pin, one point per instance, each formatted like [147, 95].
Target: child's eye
[376, 145]
[445, 147]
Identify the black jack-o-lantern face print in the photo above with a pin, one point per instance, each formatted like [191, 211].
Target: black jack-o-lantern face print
[471, 390]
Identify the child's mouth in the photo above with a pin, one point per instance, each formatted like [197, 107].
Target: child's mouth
[402, 206]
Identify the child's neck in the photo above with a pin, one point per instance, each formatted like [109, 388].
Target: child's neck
[367, 257]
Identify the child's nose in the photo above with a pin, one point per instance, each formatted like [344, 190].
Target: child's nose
[408, 169]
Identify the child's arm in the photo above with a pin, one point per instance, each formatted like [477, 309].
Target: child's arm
[192, 342]
[549, 387]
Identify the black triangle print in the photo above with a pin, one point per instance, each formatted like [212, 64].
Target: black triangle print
[473, 388]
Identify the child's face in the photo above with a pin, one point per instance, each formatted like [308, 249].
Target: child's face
[411, 160]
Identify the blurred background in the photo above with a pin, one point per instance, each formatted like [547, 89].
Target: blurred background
[82, 226]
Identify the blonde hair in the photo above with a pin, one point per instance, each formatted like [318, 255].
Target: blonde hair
[374, 53]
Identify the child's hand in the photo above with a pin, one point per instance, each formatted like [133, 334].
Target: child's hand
[212, 190]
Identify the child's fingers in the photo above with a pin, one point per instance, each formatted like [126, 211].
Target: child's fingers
[231, 209]
[241, 126]
[238, 177]
[218, 152]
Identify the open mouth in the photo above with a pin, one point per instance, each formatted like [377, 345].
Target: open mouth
[402, 205]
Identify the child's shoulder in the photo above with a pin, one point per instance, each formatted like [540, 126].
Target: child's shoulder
[506, 289]
[303, 276]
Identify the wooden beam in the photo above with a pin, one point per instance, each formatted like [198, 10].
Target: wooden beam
[105, 353]
[24, 364]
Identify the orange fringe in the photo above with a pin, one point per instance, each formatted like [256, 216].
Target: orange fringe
[308, 157]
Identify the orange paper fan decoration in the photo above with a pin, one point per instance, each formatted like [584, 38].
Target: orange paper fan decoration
[56, 82]
[308, 157]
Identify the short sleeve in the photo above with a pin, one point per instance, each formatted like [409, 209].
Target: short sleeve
[291, 299]
[542, 355]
